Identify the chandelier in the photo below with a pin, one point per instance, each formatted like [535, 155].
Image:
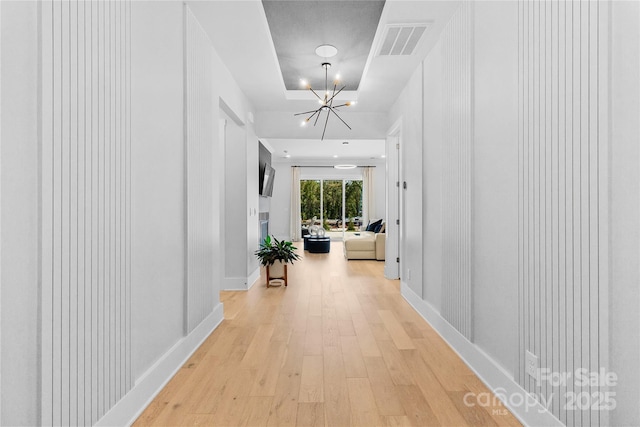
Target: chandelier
[326, 103]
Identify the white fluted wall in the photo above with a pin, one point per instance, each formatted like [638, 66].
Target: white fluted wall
[457, 169]
[199, 174]
[86, 215]
[563, 199]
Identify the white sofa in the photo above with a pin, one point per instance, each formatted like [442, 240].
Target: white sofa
[368, 245]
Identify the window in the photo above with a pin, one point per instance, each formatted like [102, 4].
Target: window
[335, 203]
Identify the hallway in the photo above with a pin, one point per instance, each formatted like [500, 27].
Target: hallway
[339, 346]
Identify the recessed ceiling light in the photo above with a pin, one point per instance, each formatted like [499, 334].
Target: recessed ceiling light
[335, 156]
[345, 142]
[326, 51]
[383, 156]
[345, 166]
[287, 155]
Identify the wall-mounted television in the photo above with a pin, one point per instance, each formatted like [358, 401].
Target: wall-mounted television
[268, 174]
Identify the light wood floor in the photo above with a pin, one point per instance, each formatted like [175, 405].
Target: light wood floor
[338, 347]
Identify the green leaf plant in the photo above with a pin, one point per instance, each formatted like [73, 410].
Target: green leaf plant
[272, 250]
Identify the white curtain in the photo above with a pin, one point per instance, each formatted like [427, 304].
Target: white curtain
[295, 223]
[368, 196]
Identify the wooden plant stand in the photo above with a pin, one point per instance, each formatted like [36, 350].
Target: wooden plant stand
[284, 278]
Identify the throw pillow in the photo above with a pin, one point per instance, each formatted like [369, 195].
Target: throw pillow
[384, 226]
[372, 226]
[378, 228]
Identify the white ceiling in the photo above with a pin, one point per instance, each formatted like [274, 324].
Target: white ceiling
[240, 34]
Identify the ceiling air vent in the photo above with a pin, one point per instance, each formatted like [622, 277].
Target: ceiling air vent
[401, 39]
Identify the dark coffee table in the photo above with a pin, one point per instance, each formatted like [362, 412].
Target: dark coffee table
[317, 245]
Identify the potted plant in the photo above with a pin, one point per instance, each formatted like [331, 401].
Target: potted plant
[275, 254]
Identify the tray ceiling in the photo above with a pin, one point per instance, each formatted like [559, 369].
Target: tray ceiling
[298, 27]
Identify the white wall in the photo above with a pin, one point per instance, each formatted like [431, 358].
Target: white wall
[202, 295]
[432, 190]
[158, 343]
[494, 182]
[624, 181]
[235, 205]
[497, 345]
[158, 181]
[19, 219]
[253, 204]
[408, 107]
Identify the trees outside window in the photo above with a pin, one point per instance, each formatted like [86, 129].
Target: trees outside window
[309, 200]
[336, 204]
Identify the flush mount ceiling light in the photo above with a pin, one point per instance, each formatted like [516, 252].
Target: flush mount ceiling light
[326, 102]
[326, 51]
[345, 166]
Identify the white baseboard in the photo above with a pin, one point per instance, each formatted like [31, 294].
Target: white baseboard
[253, 277]
[129, 408]
[234, 284]
[390, 272]
[495, 377]
[241, 283]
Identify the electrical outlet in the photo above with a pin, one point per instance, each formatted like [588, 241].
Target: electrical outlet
[531, 365]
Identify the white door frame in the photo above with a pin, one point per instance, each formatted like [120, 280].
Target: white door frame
[393, 202]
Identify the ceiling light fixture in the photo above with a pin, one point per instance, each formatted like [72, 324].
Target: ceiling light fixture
[326, 51]
[345, 166]
[326, 102]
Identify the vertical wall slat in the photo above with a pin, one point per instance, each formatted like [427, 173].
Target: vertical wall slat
[457, 151]
[47, 13]
[85, 209]
[199, 174]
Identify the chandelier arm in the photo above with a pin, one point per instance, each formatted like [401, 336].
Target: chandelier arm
[306, 112]
[341, 105]
[325, 125]
[336, 94]
[311, 116]
[317, 117]
[314, 92]
[345, 123]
